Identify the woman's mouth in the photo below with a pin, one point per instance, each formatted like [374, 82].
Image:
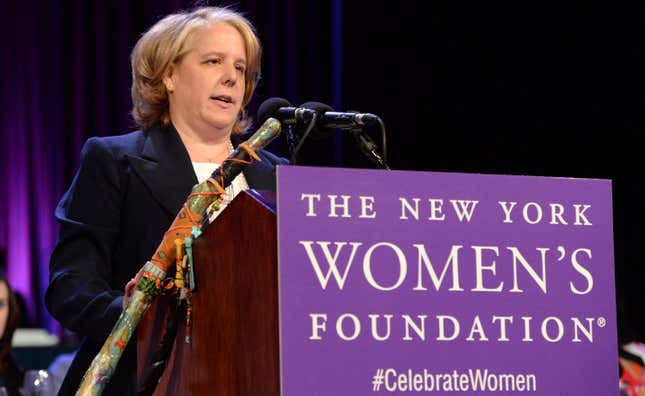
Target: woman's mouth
[222, 98]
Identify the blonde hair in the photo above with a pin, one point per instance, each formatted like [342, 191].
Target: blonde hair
[166, 43]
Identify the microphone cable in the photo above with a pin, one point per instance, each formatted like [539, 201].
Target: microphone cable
[310, 127]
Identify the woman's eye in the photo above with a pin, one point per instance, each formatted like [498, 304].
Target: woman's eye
[213, 61]
[240, 68]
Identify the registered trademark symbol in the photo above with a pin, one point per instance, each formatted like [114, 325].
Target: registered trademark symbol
[601, 322]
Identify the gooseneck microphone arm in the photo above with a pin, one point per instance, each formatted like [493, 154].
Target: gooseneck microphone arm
[369, 148]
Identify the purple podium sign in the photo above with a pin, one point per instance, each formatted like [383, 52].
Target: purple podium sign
[396, 282]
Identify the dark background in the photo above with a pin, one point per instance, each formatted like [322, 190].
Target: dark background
[515, 88]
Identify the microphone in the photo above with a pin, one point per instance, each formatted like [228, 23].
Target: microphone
[326, 121]
[282, 110]
[353, 121]
[288, 115]
[327, 118]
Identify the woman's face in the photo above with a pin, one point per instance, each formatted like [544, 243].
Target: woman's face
[207, 85]
[4, 307]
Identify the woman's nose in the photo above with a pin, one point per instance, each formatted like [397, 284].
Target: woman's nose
[230, 75]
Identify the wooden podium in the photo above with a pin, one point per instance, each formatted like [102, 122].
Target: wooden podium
[234, 348]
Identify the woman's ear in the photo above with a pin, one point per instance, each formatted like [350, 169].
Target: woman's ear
[168, 80]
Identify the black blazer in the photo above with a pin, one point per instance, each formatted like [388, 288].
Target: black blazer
[124, 196]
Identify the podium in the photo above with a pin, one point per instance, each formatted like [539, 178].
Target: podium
[234, 348]
[436, 285]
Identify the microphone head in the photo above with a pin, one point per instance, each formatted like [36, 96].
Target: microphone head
[269, 107]
[320, 109]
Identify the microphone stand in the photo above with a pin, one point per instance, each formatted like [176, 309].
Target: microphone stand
[291, 140]
[368, 147]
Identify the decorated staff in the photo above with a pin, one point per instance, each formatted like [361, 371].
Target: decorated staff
[189, 222]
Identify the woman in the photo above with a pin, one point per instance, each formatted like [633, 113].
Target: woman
[193, 74]
[11, 375]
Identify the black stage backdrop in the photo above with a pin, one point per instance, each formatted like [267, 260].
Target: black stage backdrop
[518, 88]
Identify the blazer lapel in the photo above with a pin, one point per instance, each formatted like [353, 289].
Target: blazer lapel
[165, 168]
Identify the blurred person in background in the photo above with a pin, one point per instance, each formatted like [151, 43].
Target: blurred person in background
[11, 375]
